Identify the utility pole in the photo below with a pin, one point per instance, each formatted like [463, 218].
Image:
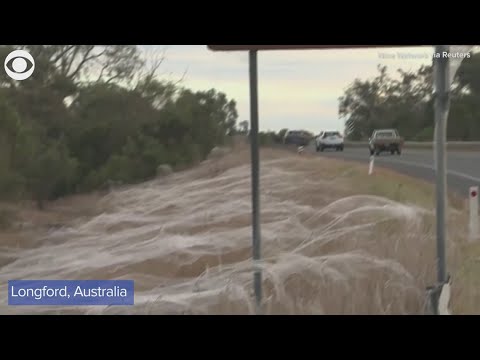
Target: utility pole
[257, 271]
[442, 102]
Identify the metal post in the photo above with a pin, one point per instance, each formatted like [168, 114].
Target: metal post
[442, 87]
[257, 275]
[473, 223]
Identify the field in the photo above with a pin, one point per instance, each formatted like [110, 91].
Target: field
[334, 241]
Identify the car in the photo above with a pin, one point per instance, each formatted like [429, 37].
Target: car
[385, 140]
[297, 137]
[329, 140]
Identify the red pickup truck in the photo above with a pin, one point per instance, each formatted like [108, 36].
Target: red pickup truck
[386, 140]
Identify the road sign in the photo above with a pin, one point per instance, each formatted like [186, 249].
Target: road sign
[293, 47]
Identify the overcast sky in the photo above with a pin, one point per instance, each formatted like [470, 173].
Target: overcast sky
[297, 89]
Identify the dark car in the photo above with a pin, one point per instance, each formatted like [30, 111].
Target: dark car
[297, 137]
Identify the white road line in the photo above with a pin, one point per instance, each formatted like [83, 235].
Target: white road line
[430, 167]
[425, 166]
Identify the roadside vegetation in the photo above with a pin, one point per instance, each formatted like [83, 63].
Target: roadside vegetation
[334, 242]
[410, 243]
[94, 115]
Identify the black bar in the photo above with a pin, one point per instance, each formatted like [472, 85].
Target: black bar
[297, 47]
[257, 275]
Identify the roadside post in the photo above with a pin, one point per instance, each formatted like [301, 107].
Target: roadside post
[473, 223]
[441, 76]
[444, 72]
[372, 163]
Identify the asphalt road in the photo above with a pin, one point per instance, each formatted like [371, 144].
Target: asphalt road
[463, 167]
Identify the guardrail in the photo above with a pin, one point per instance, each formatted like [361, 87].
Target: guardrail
[452, 145]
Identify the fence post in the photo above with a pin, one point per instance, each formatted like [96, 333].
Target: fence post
[438, 299]
[473, 223]
[370, 167]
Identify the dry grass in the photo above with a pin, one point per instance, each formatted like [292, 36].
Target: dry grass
[335, 241]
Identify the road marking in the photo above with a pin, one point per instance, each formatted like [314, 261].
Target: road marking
[420, 165]
[430, 167]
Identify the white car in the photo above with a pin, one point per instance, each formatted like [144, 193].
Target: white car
[329, 140]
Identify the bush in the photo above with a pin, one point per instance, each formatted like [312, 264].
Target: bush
[12, 185]
[425, 135]
[6, 218]
[48, 171]
[116, 130]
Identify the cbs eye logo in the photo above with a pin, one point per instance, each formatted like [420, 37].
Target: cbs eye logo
[16, 65]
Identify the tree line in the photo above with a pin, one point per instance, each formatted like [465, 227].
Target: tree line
[92, 114]
[406, 103]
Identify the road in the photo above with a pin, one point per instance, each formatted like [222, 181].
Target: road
[463, 166]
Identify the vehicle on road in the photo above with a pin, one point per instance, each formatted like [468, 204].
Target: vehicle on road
[297, 137]
[329, 140]
[385, 140]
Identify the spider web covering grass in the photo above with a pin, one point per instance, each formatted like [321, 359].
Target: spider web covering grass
[334, 241]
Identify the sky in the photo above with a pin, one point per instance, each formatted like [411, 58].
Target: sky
[297, 89]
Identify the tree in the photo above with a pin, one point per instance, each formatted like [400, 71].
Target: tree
[94, 113]
[48, 169]
[9, 129]
[80, 63]
[384, 102]
[282, 133]
[244, 127]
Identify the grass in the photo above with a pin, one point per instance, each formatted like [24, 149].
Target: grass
[466, 294]
[339, 272]
[399, 187]
[463, 257]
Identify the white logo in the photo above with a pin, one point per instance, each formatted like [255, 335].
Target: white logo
[18, 62]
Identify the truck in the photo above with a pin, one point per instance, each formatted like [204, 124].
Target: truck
[385, 140]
